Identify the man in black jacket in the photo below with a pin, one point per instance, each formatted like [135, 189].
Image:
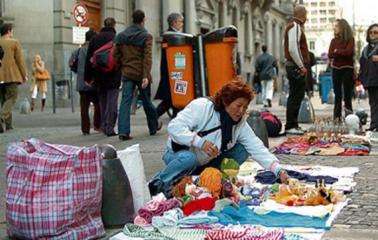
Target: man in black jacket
[175, 23]
[107, 83]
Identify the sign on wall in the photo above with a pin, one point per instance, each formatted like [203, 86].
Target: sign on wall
[80, 13]
[78, 34]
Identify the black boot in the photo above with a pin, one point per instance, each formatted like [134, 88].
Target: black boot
[155, 186]
[43, 104]
[32, 105]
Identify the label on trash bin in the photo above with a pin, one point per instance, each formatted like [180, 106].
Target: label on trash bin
[181, 87]
[180, 61]
[176, 75]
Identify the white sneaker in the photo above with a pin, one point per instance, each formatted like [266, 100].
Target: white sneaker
[295, 131]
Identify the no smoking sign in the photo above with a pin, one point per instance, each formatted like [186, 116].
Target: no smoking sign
[80, 13]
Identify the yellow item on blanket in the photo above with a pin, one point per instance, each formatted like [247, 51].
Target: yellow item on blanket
[211, 178]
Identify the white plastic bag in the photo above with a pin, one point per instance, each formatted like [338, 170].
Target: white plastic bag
[132, 162]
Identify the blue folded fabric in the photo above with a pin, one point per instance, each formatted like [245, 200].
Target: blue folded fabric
[267, 177]
[244, 215]
[197, 219]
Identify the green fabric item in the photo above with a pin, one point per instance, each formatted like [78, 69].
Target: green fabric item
[183, 234]
[186, 199]
[135, 231]
[132, 230]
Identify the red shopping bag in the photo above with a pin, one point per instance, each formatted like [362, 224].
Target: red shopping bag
[53, 191]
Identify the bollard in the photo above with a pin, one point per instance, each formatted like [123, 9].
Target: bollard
[25, 106]
[283, 99]
[331, 97]
[258, 125]
[259, 99]
[117, 199]
[306, 111]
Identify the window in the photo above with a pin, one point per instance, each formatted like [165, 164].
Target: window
[314, 12]
[331, 4]
[332, 12]
[323, 20]
[322, 12]
[314, 20]
[314, 4]
[322, 4]
[312, 45]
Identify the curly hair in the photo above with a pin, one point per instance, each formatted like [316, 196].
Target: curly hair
[237, 88]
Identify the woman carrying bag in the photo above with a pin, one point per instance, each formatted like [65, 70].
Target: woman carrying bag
[39, 81]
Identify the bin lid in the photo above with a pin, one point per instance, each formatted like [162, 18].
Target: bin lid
[219, 34]
[177, 39]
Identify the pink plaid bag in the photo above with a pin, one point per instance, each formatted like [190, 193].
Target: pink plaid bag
[53, 191]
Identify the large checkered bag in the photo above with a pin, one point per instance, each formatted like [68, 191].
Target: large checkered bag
[53, 191]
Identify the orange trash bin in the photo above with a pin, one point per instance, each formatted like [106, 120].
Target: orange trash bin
[220, 48]
[179, 52]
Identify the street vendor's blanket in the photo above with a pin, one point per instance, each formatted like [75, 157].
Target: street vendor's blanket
[304, 145]
[53, 191]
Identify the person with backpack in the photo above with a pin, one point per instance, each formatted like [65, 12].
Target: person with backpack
[208, 130]
[133, 56]
[88, 94]
[106, 82]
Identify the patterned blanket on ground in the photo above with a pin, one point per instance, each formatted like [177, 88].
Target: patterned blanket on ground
[311, 145]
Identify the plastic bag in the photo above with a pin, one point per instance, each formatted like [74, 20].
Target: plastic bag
[132, 162]
[53, 191]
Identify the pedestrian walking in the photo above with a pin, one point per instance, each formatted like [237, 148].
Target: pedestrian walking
[175, 23]
[267, 69]
[88, 93]
[133, 56]
[40, 76]
[368, 73]
[106, 83]
[12, 73]
[297, 60]
[341, 53]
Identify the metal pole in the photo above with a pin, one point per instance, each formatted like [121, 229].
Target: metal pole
[53, 92]
[202, 67]
[71, 92]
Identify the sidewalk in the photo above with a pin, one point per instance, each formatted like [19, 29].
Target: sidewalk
[356, 222]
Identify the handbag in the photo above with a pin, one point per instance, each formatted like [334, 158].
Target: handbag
[42, 75]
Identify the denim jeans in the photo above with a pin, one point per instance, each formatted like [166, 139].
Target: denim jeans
[124, 109]
[185, 162]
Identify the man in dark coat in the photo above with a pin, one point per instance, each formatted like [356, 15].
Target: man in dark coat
[175, 23]
[133, 56]
[107, 83]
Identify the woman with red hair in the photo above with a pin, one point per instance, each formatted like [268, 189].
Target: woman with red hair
[208, 130]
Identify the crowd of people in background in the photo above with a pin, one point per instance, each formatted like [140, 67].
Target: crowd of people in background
[133, 62]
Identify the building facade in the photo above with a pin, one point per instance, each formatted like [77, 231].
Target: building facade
[45, 26]
[320, 24]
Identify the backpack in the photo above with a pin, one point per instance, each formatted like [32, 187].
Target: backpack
[102, 59]
[74, 60]
[272, 122]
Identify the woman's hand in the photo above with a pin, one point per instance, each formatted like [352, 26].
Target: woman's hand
[210, 149]
[375, 58]
[284, 177]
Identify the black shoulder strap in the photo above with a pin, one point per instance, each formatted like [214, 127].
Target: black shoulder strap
[207, 132]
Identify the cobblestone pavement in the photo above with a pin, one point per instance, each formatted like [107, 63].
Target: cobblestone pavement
[357, 221]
